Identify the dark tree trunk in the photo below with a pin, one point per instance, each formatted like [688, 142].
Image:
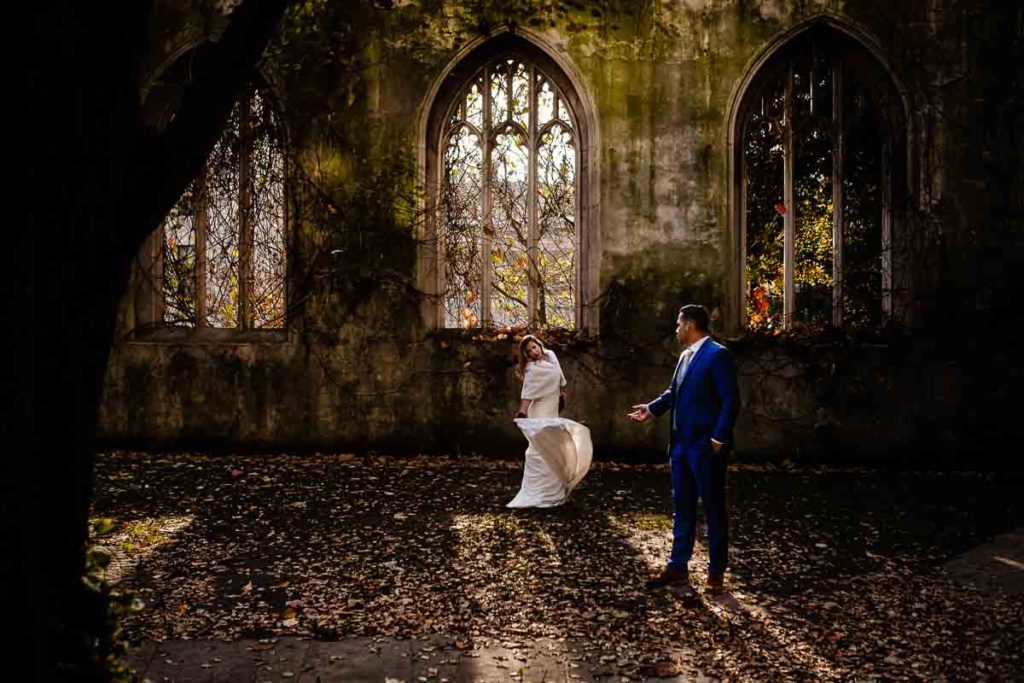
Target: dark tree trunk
[96, 184]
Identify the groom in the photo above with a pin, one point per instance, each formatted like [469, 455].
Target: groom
[704, 400]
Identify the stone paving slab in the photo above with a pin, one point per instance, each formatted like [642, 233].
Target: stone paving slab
[994, 566]
[371, 659]
[836, 575]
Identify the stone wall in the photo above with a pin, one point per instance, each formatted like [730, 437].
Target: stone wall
[360, 368]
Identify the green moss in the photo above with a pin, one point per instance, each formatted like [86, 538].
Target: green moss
[647, 521]
[645, 289]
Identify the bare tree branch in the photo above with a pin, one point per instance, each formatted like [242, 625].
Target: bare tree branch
[167, 162]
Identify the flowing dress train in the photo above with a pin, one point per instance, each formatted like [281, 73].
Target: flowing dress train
[559, 451]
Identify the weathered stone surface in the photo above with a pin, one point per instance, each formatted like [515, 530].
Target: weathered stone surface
[994, 566]
[360, 368]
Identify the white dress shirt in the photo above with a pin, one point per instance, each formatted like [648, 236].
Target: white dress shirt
[692, 350]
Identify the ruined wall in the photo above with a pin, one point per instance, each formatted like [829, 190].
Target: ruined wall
[360, 369]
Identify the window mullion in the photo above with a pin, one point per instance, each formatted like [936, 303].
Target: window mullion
[202, 220]
[244, 213]
[886, 230]
[743, 226]
[153, 297]
[813, 82]
[838, 228]
[287, 238]
[533, 280]
[436, 227]
[789, 216]
[583, 245]
[510, 70]
[485, 239]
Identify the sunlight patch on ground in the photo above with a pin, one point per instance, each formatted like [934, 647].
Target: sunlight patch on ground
[649, 534]
[335, 547]
[774, 639]
[130, 542]
[1007, 561]
[504, 561]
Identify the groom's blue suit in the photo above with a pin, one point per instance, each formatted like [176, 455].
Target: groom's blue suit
[704, 400]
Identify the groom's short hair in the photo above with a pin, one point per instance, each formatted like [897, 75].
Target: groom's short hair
[697, 314]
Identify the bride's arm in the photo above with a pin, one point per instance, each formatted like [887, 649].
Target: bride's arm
[524, 400]
[524, 406]
[561, 375]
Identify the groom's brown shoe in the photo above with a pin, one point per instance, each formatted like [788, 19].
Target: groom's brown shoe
[669, 576]
[716, 584]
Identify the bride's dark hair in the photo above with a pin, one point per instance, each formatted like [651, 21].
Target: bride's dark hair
[523, 358]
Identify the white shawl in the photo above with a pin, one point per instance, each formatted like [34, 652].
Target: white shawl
[543, 377]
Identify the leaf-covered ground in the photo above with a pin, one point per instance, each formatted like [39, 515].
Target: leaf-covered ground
[835, 575]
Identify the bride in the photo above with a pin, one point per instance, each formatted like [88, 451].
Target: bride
[559, 451]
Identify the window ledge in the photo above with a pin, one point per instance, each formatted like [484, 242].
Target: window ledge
[208, 335]
[557, 337]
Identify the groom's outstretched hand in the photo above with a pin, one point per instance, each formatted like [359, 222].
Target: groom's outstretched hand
[640, 413]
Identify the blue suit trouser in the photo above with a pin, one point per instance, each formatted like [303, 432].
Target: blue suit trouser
[699, 475]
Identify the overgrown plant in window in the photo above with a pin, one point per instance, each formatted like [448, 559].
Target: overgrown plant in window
[508, 234]
[817, 137]
[223, 254]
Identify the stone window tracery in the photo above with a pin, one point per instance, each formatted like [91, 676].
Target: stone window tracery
[507, 233]
[223, 254]
[818, 141]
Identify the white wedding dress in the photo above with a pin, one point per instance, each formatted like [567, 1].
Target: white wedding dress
[560, 450]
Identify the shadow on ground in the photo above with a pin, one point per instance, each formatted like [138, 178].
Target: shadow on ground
[835, 574]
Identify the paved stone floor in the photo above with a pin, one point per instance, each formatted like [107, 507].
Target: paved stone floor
[345, 568]
[370, 659]
[991, 566]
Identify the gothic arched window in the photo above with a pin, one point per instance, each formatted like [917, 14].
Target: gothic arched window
[819, 138]
[507, 227]
[223, 249]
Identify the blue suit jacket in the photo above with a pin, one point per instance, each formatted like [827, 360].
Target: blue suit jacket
[705, 404]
